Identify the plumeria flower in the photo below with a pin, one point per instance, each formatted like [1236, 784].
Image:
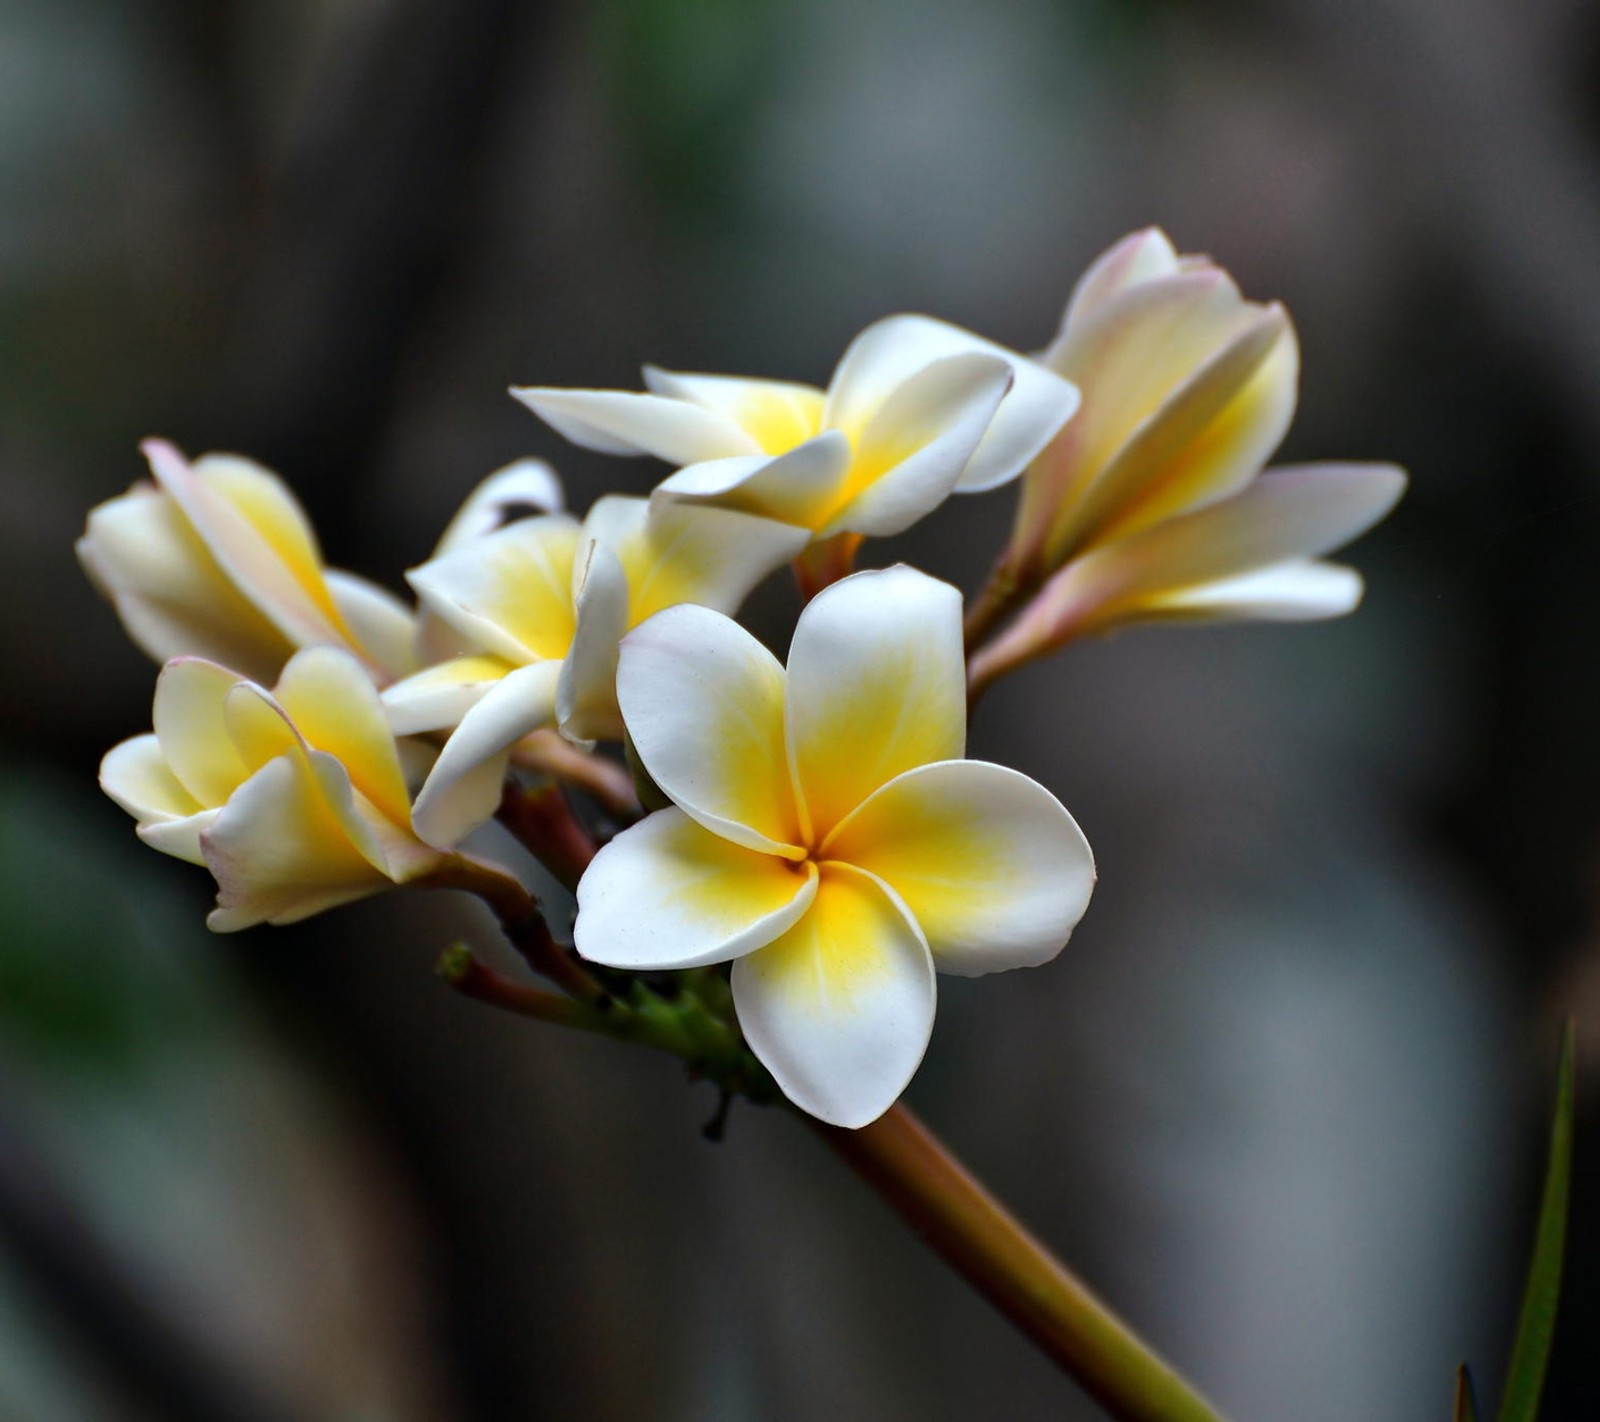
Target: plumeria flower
[916, 409]
[543, 603]
[294, 798]
[826, 835]
[1151, 505]
[217, 559]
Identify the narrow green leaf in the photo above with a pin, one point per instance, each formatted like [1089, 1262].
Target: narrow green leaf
[1536, 1324]
[1466, 1398]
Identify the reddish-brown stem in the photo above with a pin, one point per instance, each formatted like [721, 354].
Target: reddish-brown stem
[541, 817]
[473, 979]
[824, 562]
[609, 783]
[972, 1231]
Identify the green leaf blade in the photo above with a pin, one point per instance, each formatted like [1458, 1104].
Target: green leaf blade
[1536, 1322]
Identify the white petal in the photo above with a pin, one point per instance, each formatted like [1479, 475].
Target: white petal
[1139, 257]
[191, 726]
[801, 487]
[703, 701]
[620, 422]
[673, 553]
[586, 696]
[989, 863]
[839, 1009]
[436, 699]
[135, 774]
[776, 414]
[463, 788]
[668, 893]
[911, 454]
[384, 628]
[877, 685]
[509, 593]
[527, 486]
[1287, 592]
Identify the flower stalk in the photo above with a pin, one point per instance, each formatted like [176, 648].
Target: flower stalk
[974, 1233]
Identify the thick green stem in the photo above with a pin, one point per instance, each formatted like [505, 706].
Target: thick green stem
[906, 1164]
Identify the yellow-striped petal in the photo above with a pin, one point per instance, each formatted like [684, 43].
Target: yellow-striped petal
[839, 1008]
[776, 414]
[621, 422]
[586, 695]
[191, 727]
[135, 774]
[703, 701]
[668, 893]
[508, 593]
[801, 487]
[877, 685]
[989, 863]
[436, 698]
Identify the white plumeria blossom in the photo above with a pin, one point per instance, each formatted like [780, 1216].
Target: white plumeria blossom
[217, 559]
[294, 798]
[827, 836]
[917, 409]
[1151, 505]
[542, 603]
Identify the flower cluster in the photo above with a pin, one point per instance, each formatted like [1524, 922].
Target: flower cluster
[816, 826]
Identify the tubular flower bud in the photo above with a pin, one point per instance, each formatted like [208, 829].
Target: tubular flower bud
[216, 559]
[1151, 504]
[539, 607]
[916, 410]
[294, 798]
[826, 835]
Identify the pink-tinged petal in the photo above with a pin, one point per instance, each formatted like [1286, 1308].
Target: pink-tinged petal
[703, 701]
[258, 533]
[877, 686]
[280, 853]
[989, 863]
[135, 774]
[673, 553]
[522, 489]
[586, 695]
[382, 627]
[179, 838]
[436, 699]
[172, 596]
[508, 593]
[335, 707]
[1285, 516]
[776, 414]
[668, 893]
[191, 727]
[620, 422]
[463, 788]
[1139, 257]
[839, 1009]
[912, 452]
[801, 487]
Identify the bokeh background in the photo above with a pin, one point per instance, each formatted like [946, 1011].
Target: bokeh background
[1283, 1099]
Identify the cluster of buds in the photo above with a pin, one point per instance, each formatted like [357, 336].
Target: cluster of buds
[815, 826]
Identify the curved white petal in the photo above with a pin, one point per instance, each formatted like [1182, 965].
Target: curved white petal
[877, 685]
[703, 702]
[840, 1008]
[522, 488]
[621, 422]
[989, 863]
[383, 627]
[279, 852]
[776, 414]
[1286, 592]
[191, 726]
[673, 553]
[463, 788]
[586, 695]
[1139, 257]
[437, 698]
[135, 774]
[172, 596]
[668, 893]
[913, 449]
[1039, 404]
[509, 593]
[335, 707]
[801, 487]
[257, 531]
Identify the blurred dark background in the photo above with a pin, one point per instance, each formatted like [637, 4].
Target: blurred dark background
[1284, 1097]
